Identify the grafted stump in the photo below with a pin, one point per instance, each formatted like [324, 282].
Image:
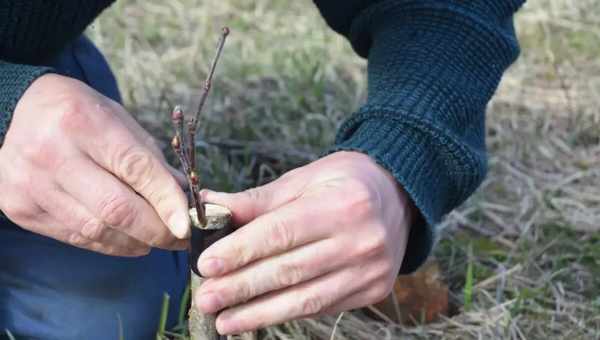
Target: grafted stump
[218, 225]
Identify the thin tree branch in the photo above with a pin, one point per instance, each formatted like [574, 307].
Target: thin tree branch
[184, 141]
[209, 77]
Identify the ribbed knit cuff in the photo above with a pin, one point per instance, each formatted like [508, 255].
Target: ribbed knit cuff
[433, 67]
[14, 80]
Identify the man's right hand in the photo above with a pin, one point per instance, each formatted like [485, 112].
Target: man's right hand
[75, 166]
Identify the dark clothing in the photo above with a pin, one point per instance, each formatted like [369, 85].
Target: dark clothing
[433, 67]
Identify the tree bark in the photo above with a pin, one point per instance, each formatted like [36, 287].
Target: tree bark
[218, 225]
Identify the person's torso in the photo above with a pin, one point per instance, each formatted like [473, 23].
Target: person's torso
[32, 32]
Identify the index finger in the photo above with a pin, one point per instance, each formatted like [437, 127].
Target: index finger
[297, 223]
[113, 204]
[116, 148]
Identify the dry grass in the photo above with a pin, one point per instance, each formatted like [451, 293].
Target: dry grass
[533, 229]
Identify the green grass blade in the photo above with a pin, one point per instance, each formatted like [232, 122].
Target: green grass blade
[164, 314]
[183, 306]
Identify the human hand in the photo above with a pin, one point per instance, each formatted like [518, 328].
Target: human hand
[322, 239]
[75, 166]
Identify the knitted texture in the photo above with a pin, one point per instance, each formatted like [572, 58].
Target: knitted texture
[14, 80]
[433, 67]
[33, 31]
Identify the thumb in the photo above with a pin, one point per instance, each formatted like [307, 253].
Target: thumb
[252, 203]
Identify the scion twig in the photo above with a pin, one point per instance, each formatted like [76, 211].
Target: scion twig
[178, 145]
[183, 142]
[209, 77]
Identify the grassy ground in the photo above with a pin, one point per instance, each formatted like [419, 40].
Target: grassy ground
[530, 236]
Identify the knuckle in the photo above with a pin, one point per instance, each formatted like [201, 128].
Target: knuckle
[161, 197]
[79, 240]
[240, 256]
[289, 275]
[372, 245]
[361, 202]
[135, 166]
[117, 210]
[19, 212]
[244, 292]
[312, 305]
[41, 152]
[280, 235]
[93, 229]
[72, 115]
[21, 182]
[254, 194]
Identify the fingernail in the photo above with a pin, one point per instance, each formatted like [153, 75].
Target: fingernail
[209, 303]
[179, 223]
[225, 323]
[211, 267]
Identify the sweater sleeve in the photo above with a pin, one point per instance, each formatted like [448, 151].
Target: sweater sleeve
[432, 68]
[14, 80]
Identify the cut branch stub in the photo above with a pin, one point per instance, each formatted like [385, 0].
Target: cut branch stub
[217, 225]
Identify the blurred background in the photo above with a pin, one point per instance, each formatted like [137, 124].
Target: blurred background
[520, 259]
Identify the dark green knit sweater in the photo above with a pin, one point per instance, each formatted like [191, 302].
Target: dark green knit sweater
[433, 67]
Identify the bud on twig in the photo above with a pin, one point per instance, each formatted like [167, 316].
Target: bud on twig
[194, 178]
[177, 114]
[175, 143]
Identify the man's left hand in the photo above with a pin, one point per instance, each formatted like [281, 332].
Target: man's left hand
[322, 239]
